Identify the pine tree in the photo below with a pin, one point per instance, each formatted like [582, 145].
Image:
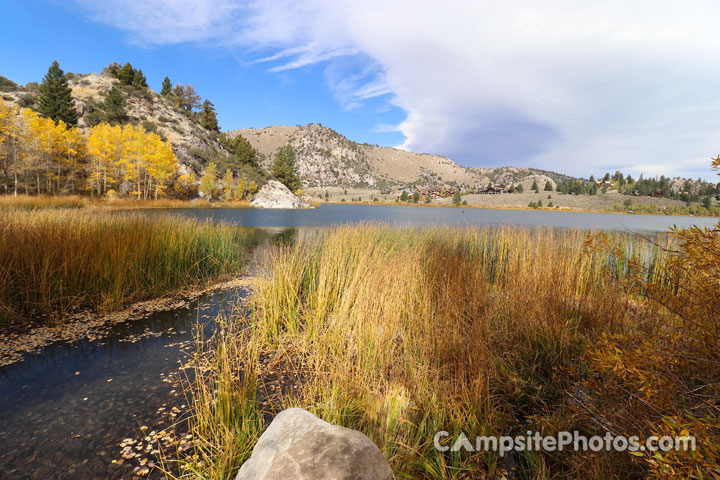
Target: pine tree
[166, 87]
[114, 106]
[535, 187]
[56, 100]
[548, 186]
[208, 117]
[126, 74]
[139, 79]
[241, 148]
[283, 168]
[457, 198]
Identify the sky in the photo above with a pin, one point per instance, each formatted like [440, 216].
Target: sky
[574, 86]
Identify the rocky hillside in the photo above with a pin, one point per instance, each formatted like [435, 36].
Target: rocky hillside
[327, 159]
[143, 106]
[324, 158]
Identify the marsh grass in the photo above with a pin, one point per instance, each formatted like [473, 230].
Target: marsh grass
[401, 333]
[27, 202]
[54, 262]
[36, 202]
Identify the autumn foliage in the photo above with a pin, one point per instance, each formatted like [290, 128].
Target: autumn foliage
[40, 156]
[661, 375]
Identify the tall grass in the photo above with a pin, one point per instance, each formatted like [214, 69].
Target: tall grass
[35, 202]
[51, 262]
[401, 333]
[28, 202]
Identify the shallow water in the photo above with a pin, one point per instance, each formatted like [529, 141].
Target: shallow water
[333, 214]
[61, 417]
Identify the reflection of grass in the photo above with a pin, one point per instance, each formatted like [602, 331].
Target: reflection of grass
[52, 262]
[401, 333]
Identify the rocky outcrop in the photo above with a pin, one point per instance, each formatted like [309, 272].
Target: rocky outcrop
[297, 445]
[276, 195]
[324, 158]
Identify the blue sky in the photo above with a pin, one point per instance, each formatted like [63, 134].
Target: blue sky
[574, 86]
[245, 94]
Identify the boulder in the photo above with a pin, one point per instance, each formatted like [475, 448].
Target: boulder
[299, 446]
[276, 195]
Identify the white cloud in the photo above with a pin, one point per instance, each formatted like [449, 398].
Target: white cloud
[579, 87]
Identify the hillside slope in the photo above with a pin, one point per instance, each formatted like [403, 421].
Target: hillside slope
[143, 107]
[327, 159]
[324, 157]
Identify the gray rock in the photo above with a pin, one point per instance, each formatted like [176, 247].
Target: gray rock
[298, 445]
[276, 195]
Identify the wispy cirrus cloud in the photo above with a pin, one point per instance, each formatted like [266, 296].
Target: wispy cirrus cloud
[573, 86]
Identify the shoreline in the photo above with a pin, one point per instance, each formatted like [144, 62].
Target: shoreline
[17, 342]
[510, 207]
[23, 202]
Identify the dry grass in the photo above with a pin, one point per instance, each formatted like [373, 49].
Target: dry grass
[28, 202]
[36, 202]
[401, 333]
[51, 263]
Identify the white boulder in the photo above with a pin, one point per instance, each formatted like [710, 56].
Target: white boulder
[276, 195]
[298, 445]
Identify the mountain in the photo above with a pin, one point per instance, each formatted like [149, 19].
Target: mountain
[327, 159]
[324, 157]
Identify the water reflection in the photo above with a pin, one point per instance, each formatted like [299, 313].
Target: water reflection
[328, 215]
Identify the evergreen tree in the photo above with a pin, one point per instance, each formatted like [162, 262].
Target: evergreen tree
[139, 79]
[208, 117]
[283, 168]
[457, 198]
[416, 197]
[113, 69]
[548, 186]
[404, 196]
[520, 188]
[126, 74]
[535, 187]
[56, 100]
[240, 148]
[114, 106]
[185, 98]
[166, 87]
[7, 84]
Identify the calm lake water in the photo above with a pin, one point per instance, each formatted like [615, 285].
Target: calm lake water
[327, 215]
[60, 417]
[64, 411]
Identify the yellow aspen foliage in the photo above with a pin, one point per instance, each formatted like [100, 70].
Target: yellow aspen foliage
[208, 182]
[185, 185]
[130, 154]
[105, 148]
[7, 122]
[228, 182]
[239, 193]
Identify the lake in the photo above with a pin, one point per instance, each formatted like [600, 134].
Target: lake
[333, 214]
